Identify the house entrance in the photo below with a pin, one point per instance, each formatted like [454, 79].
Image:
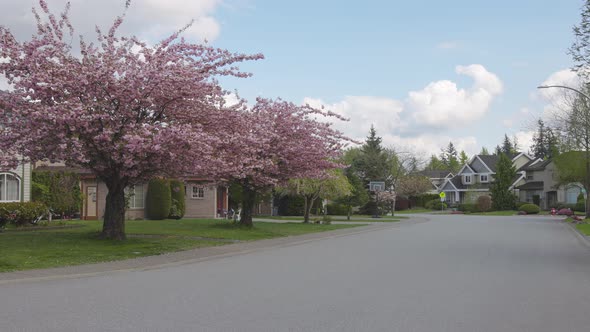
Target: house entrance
[91, 203]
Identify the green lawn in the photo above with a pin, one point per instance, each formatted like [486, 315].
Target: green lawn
[46, 247]
[414, 211]
[584, 228]
[337, 218]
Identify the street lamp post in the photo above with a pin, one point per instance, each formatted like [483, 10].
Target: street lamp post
[564, 87]
[587, 98]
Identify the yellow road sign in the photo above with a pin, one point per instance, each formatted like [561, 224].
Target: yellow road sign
[442, 195]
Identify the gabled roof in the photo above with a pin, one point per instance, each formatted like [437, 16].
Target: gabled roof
[537, 165]
[463, 168]
[522, 154]
[435, 174]
[489, 161]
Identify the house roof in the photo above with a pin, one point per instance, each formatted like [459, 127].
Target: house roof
[533, 185]
[490, 161]
[434, 174]
[536, 166]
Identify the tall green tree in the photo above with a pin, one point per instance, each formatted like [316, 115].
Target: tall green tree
[463, 158]
[545, 142]
[502, 196]
[435, 164]
[507, 146]
[332, 187]
[371, 164]
[484, 151]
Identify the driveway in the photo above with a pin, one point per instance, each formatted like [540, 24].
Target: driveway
[452, 273]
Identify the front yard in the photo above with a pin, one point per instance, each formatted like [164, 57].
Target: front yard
[45, 247]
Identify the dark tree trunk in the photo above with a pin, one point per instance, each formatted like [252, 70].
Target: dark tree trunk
[248, 202]
[306, 208]
[113, 227]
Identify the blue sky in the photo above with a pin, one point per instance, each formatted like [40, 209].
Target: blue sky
[423, 72]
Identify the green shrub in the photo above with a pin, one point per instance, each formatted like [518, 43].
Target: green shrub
[519, 204]
[530, 208]
[335, 209]
[435, 204]
[60, 191]
[21, 213]
[484, 203]
[580, 207]
[422, 200]
[466, 207]
[178, 203]
[158, 199]
[537, 200]
[326, 220]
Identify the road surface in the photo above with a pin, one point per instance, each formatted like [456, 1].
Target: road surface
[452, 273]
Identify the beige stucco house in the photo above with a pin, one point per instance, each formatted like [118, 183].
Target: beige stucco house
[203, 198]
[15, 184]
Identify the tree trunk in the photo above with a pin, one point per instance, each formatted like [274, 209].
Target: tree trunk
[248, 202]
[587, 184]
[306, 209]
[113, 227]
[348, 212]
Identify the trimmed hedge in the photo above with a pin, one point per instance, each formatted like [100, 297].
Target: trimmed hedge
[335, 209]
[435, 204]
[177, 203]
[484, 203]
[158, 200]
[21, 213]
[530, 208]
[467, 207]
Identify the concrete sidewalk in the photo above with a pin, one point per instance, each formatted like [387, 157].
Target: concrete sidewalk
[189, 256]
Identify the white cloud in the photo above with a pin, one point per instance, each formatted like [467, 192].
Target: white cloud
[558, 99]
[442, 104]
[508, 123]
[419, 122]
[364, 111]
[525, 140]
[148, 19]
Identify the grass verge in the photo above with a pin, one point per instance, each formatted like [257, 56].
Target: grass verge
[337, 218]
[46, 247]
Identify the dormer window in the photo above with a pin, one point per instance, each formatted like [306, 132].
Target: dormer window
[483, 178]
[467, 178]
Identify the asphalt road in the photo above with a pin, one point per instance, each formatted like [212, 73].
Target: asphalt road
[453, 273]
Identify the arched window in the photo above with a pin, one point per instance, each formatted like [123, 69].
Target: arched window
[9, 188]
[571, 194]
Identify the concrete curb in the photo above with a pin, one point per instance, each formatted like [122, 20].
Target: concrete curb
[189, 256]
[583, 239]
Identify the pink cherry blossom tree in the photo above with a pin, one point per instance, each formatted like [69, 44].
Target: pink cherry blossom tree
[126, 110]
[276, 141]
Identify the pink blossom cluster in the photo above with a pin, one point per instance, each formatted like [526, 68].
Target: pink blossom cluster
[129, 111]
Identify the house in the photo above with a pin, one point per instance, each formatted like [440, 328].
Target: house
[437, 178]
[203, 198]
[474, 179]
[15, 184]
[542, 180]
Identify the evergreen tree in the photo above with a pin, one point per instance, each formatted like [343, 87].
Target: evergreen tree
[371, 164]
[507, 147]
[484, 151]
[545, 143]
[502, 197]
[463, 158]
[435, 164]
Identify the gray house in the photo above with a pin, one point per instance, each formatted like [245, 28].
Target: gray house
[15, 184]
[542, 180]
[475, 178]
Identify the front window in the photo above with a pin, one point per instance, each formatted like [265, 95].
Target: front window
[483, 178]
[9, 188]
[467, 178]
[136, 197]
[198, 192]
